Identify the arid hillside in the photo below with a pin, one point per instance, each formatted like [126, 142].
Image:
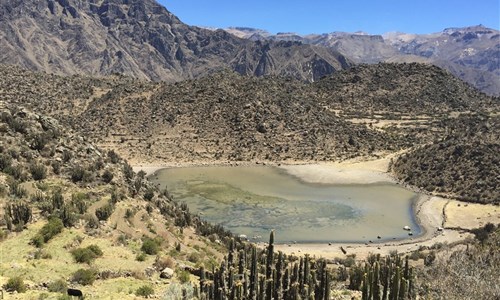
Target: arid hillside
[463, 164]
[226, 116]
[73, 215]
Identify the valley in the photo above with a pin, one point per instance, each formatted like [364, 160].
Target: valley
[142, 157]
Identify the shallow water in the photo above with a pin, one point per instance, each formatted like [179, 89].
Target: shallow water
[255, 200]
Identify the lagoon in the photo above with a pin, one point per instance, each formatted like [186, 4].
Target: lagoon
[252, 200]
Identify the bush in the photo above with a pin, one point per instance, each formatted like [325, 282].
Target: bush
[58, 286]
[86, 255]
[183, 276]
[151, 246]
[145, 291]
[15, 284]
[48, 231]
[141, 257]
[38, 171]
[149, 194]
[85, 276]
[107, 176]
[104, 212]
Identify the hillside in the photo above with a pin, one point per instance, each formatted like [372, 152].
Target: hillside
[463, 164]
[140, 38]
[409, 88]
[226, 116]
[61, 196]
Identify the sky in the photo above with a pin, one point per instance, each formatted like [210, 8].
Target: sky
[324, 16]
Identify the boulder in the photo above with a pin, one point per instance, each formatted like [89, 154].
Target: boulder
[167, 273]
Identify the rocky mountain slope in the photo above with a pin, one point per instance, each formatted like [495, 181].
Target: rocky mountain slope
[140, 38]
[226, 116]
[470, 53]
[464, 164]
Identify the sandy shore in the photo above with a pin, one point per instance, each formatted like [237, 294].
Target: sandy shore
[431, 212]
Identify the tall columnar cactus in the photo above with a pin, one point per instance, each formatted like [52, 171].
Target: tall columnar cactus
[270, 256]
[385, 281]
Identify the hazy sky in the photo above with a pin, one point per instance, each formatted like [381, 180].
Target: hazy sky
[321, 16]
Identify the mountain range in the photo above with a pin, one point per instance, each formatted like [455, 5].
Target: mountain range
[470, 53]
[140, 38]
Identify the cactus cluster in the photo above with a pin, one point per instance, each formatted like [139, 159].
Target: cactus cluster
[252, 273]
[383, 279]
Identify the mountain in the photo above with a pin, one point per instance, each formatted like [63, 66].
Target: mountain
[464, 163]
[140, 38]
[470, 53]
[228, 117]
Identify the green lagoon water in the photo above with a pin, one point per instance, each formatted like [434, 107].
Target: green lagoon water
[255, 200]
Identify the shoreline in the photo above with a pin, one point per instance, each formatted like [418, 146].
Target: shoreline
[429, 210]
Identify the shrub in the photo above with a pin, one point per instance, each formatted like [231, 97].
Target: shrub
[149, 194]
[86, 255]
[16, 172]
[104, 212]
[38, 141]
[141, 257]
[113, 157]
[151, 246]
[38, 171]
[92, 221]
[5, 161]
[56, 167]
[107, 176]
[15, 284]
[144, 291]
[183, 276]
[85, 276]
[58, 286]
[164, 262]
[48, 231]
[77, 174]
[41, 254]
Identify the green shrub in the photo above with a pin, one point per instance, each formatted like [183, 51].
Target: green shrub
[103, 213]
[85, 276]
[141, 257]
[77, 174]
[58, 286]
[183, 276]
[5, 161]
[15, 284]
[113, 157]
[86, 255]
[107, 176]
[41, 254]
[48, 231]
[149, 194]
[151, 246]
[38, 171]
[145, 291]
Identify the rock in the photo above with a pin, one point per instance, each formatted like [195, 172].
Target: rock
[166, 273]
